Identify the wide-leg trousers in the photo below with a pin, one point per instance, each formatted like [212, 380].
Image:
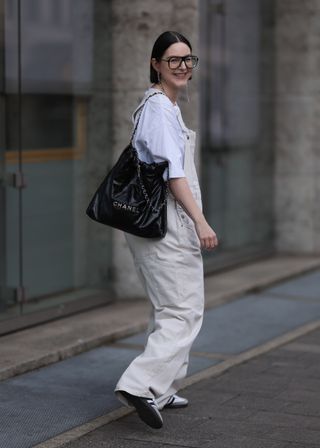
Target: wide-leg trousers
[171, 270]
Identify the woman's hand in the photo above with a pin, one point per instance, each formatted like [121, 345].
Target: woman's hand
[182, 193]
[207, 236]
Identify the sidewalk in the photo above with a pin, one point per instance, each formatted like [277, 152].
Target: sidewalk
[272, 401]
[54, 341]
[64, 401]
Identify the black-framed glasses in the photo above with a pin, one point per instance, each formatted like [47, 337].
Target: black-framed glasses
[174, 62]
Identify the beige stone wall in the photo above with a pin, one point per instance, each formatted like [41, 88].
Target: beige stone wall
[297, 170]
[98, 238]
[136, 25]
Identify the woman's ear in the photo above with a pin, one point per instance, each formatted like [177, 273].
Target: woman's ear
[155, 64]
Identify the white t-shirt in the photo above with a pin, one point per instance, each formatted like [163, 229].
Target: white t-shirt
[159, 135]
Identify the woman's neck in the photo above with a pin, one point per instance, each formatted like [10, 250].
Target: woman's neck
[170, 93]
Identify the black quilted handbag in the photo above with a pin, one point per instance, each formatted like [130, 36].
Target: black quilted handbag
[133, 196]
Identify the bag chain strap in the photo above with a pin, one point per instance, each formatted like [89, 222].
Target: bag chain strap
[144, 191]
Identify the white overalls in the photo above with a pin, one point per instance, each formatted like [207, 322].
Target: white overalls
[171, 271]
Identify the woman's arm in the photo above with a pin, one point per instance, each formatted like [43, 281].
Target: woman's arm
[182, 193]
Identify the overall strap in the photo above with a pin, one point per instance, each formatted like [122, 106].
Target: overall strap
[140, 109]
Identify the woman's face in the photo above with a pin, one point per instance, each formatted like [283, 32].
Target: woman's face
[177, 77]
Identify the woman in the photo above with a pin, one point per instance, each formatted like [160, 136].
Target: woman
[171, 268]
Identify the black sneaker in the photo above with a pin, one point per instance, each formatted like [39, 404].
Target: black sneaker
[146, 408]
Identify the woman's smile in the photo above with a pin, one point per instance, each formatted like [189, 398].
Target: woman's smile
[181, 75]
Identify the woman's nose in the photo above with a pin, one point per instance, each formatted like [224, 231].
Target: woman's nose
[185, 64]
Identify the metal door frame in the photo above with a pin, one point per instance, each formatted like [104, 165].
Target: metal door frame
[2, 166]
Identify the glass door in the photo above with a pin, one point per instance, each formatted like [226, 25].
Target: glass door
[237, 127]
[56, 125]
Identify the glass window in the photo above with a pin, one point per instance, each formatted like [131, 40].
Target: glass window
[55, 128]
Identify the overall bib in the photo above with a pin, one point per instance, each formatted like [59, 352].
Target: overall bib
[171, 271]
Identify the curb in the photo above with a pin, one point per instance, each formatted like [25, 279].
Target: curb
[72, 350]
[212, 301]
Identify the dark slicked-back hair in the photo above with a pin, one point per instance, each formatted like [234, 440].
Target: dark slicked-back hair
[161, 44]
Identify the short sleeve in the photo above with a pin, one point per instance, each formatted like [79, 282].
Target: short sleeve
[160, 135]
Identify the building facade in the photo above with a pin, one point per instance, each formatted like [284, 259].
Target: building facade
[71, 73]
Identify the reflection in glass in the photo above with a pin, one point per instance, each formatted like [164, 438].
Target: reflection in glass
[65, 90]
